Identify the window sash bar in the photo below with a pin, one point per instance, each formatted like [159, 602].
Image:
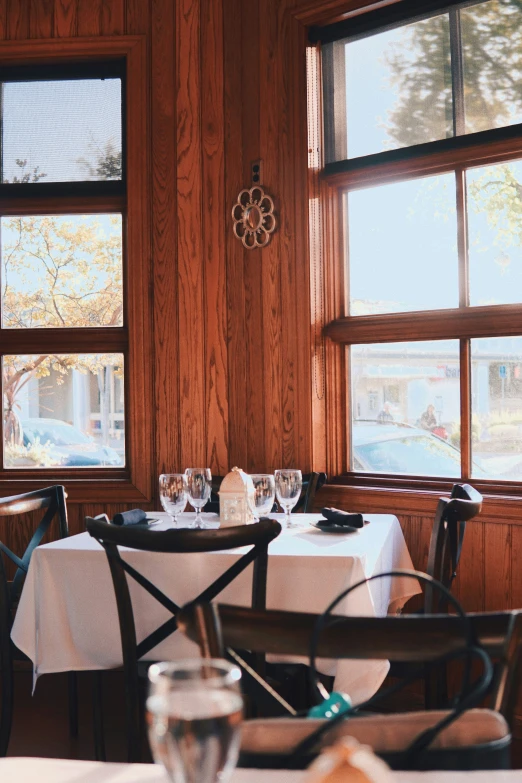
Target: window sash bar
[384, 19]
[457, 72]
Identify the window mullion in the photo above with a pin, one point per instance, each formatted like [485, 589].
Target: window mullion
[457, 72]
[465, 409]
[462, 237]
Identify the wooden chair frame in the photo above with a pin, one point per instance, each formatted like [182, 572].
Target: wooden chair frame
[52, 501]
[410, 638]
[257, 536]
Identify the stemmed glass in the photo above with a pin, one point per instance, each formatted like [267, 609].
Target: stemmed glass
[264, 493]
[194, 713]
[173, 493]
[199, 487]
[288, 484]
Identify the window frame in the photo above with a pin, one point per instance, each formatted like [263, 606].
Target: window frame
[132, 483]
[412, 494]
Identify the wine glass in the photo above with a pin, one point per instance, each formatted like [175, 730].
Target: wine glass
[173, 493]
[288, 484]
[194, 713]
[199, 486]
[264, 493]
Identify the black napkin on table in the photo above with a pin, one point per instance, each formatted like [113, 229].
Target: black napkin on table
[335, 516]
[134, 517]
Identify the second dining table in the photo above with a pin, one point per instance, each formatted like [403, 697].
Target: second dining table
[67, 617]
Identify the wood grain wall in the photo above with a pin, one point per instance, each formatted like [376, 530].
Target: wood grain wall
[232, 367]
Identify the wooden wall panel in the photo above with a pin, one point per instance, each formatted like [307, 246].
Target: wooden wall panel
[65, 21]
[41, 18]
[191, 282]
[213, 227]
[17, 20]
[166, 332]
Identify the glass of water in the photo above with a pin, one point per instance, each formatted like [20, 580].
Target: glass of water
[173, 493]
[199, 487]
[194, 713]
[264, 495]
[288, 484]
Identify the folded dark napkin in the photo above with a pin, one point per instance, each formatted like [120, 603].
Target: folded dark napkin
[335, 516]
[134, 517]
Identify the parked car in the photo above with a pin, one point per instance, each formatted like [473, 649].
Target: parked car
[395, 447]
[68, 445]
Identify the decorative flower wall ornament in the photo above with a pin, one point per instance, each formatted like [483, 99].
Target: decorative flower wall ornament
[254, 219]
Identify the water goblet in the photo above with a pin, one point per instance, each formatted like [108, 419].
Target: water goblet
[288, 484]
[194, 712]
[173, 493]
[199, 487]
[264, 494]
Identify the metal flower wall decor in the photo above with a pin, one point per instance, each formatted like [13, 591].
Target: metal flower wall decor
[254, 219]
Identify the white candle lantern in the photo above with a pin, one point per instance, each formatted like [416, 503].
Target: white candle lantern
[236, 488]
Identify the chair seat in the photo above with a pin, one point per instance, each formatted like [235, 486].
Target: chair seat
[389, 733]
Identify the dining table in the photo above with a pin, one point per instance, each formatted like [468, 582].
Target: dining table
[67, 617]
[36, 770]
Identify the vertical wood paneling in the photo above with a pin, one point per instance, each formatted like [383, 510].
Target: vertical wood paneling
[112, 17]
[256, 356]
[65, 21]
[237, 364]
[213, 225]
[516, 566]
[3, 19]
[497, 546]
[277, 366]
[89, 18]
[164, 237]
[17, 21]
[137, 17]
[41, 18]
[191, 283]
[469, 585]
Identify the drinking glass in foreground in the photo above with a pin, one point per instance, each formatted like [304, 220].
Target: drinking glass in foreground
[194, 713]
[173, 493]
[264, 495]
[288, 484]
[199, 487]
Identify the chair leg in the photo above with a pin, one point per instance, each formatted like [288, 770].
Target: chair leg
[73, 704]
[97, 716]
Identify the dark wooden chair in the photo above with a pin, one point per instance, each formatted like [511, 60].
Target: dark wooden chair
[414, 638]
[51, 501]
[447, 539]
[111, 537]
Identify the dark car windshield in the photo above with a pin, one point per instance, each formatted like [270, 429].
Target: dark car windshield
[55, 434]
[417, 456]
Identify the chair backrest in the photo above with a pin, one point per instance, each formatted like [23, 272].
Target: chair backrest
[410, 638]
[311, 483]
[50, 500]
[447, 538]
[258, 536]
[111, 537]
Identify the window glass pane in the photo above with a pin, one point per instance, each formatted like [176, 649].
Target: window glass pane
[402, 241]
[492, 61]
[398, 89]
[61, 131]
[406, 408]
[496, 375]
[61, 271]
[64, 410]
[495, 233]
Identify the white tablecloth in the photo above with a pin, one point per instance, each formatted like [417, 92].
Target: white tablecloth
[64, 771]
[67, 618]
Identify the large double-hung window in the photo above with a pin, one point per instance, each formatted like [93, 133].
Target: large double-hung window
[422, 160]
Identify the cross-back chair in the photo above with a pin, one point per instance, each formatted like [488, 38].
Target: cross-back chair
[111, 537]
[51, 501]
[447, 539]
[414, 638]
